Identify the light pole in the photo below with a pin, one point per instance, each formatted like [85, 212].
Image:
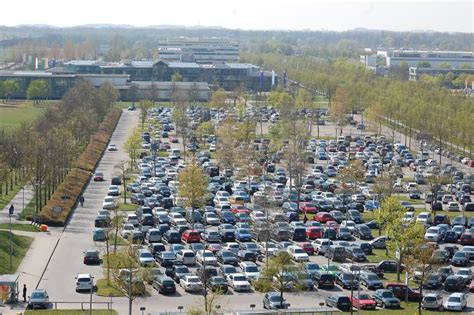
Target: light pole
[92, 290]
[10, 213]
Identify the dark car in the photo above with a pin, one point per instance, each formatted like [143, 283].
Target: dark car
[370, 280]
[388, 266]
[347, 280]
[440, 219]
[454, 283]
[172, 237]
[355, 254]
[336, 253]
[218, 284]
[324, 279]
[400, 290]
[451, 237]
[433, 282]
[363, 232]
[339, 301]
[91, 257]
[164, 285]
[386, 299]
[177, 271]
[460, 258]
[246, 255]
[155, 248]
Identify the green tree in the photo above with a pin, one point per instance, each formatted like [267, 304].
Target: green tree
[204, 129]
[37, 90]
[280, 275]
[176, 77]
[218, 99]
[193, 186]
[9, 88]
[145, 106]
[352, 175]
[133, 147]
[424, 64]
[339, 108]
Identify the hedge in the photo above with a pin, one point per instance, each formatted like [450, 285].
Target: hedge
[68, 193]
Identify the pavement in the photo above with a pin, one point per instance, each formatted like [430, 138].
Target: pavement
[20, 201]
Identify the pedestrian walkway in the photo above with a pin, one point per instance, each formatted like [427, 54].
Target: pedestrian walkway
[21, 200]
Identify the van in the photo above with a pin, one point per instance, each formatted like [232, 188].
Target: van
[299, 234]
[324, 279]
[336, 253]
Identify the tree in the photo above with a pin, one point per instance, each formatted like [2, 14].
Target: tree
[204, 129]
[352, 175]
[176, 77]
[123, 168]
[280, 275]
[423, 64]
[193, 186]
[37, 90]
[133, 93]
[9, 88]
[145, 105]
[218, 99]
[339, 108]
[133, 146]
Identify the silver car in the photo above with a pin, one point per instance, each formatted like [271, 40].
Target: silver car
[432, 301]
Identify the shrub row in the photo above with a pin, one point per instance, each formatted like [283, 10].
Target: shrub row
[68, 193]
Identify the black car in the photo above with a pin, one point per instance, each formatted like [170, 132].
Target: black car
[347, 280]
[366, 247]
[166, 258]
[164, 285]
[440, 219]
[336, 253]
[155, 248]
[454, 283]
[433, 282]
[445, 272]
[339, 301]
[172, 237]
[246, 255]
[355, 254]
[388, 266]
[451, 237]
[218, 284]
[363, 232]
[324, 279]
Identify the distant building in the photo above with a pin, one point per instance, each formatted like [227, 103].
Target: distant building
[416, 73]
[200, 50]
[456, 59]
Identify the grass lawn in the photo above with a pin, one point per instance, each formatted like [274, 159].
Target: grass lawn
[413, 201]
[107, 290]
[20, 227]
[21, 244]
[410, 308]
[11, 115]
[72, 312]
[127, 207]
[379, 255]
[120, 240]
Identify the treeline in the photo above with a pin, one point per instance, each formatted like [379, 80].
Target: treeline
[42, 152]
[422, 106]
[137, 43]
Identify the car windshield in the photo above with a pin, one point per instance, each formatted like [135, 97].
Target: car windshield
[146, 255]
[239, 278]
[193, 280]
[37, 295]
[430, 298]
[299, 251]
[364, 297]
[168, 255]
[387, 294]
[243, 231]
[275, 298]
[251, 269]
[454, 299]
[208, 255]
[312, 267]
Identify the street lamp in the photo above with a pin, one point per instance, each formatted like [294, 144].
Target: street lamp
[92, 290]
[143, 309]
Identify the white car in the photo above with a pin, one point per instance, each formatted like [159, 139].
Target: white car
[145, 257]
[297, 253]
[321, 245]
[408, 217]
[113, 190]
[127, 230]
[206, 257]
[212, 147]
[133, 219]
[238, 282]
[453, 206]
[109, 203]
[84, 282]
[349, 268]
[433, 234]
[466, 273]
[232, 246]
[455, 302]
[186, 257]
[112, 147]
[250, 270]
[424, 218]
[348, 224]
[432, 301]
[191, 284]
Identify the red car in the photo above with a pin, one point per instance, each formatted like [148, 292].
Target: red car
[323, 217]
[99, 177]
[308, 207]
[363, 301]
[466, 238]
[308, 248]
[191, 236]
[314, 232]
[239, 209]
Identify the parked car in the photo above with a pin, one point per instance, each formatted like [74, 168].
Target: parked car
[386, 299]
[339, 301]
[273, 301]
[363, 301]
[455, 302]
[432, 301]
[39, 298]
[164, 285]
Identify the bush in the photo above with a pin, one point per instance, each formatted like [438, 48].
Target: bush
[68, 193]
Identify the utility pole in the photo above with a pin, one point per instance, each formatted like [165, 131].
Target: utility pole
[10, 213]
[92, 290]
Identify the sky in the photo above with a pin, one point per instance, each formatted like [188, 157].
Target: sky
[335, 15]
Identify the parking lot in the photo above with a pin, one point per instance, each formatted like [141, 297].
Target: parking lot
[155, 192]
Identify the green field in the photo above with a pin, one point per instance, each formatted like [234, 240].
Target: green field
[11, 115]
[21, 244]
[19, 227]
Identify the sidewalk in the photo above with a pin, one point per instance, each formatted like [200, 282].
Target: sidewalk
[21, 200]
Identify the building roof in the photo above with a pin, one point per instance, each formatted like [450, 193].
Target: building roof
[166, 85]
[39, 74]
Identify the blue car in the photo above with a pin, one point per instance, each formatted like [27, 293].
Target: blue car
[227, 217]
[243, 235]
[99, 235]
